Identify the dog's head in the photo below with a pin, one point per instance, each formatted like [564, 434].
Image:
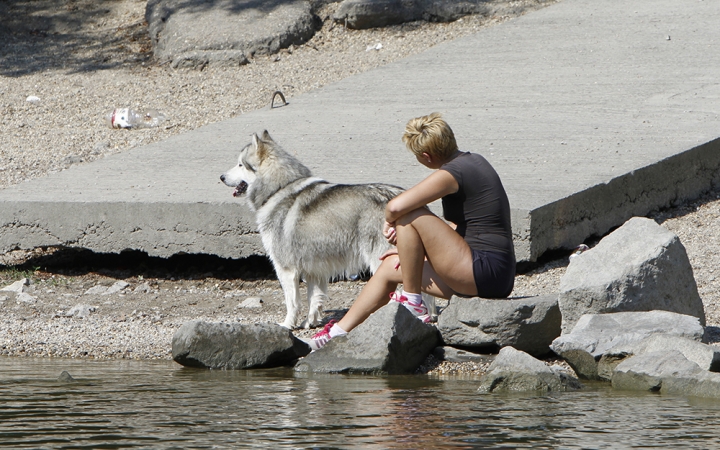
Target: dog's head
[263, 169]
[242, 175]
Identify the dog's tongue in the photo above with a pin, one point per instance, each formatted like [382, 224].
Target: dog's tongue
[240, 189]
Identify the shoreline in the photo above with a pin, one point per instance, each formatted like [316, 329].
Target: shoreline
[79, 75]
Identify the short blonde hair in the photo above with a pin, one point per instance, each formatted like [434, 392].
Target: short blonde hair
[430, 134]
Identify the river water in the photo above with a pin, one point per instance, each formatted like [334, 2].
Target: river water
[159, 404]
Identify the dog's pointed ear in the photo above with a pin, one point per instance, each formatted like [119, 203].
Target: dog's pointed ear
[261, 149]
[266, 136]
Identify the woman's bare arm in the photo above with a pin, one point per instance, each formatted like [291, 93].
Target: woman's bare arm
[439, 184]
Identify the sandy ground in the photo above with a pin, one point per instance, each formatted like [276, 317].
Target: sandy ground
[82, 59]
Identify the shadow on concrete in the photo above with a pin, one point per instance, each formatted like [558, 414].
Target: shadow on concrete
[74, 262]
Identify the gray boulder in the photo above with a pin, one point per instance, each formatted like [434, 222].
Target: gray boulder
[667, 372]
[516, 371]
[390, 341]
[641, 266]
[201, 58]
[361, 14]
[648, 371]
[235, 346]
[596, 334]
[194, 33]
[707, 357]
[527, 324]
[692, 384]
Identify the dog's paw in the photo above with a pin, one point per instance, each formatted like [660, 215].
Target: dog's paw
[314, 319]
[307, 324]
[289, 326]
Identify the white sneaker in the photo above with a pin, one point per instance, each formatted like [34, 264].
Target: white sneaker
[322, 337]
[420, 311]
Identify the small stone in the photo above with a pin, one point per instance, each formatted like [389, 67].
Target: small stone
[72, 159]
[65, 377]
[252, 302]
[116, 287]
[18, 286]
[142, 289]
[81, 311]
[97, 290]
[25, 298]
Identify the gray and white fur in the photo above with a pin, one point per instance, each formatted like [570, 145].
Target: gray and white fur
[311, 229]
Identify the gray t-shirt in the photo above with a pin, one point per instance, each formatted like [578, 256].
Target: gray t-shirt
[480, 208]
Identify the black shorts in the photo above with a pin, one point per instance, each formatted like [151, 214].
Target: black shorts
[494, 273]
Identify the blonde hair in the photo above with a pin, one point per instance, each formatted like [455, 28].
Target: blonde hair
[430, 134]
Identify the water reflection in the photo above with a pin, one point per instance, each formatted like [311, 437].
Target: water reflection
[159, 404]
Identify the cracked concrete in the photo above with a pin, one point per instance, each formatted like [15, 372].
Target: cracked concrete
[590, 114]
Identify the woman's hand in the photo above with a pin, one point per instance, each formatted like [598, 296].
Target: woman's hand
[389, 233]
[391, 252]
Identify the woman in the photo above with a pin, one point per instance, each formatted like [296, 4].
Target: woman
[472, 255]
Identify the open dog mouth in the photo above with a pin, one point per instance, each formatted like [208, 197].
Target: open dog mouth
[240, 189]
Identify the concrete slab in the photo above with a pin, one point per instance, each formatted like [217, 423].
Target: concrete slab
[591, 112]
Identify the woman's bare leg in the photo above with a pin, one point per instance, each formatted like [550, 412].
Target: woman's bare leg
[374, 295]
[433, 258]
[376, 292]
[422, 235]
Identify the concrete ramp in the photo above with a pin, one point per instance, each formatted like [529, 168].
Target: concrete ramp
[592, 112]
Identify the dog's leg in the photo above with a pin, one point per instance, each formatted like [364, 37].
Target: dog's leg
[316, 294]
[290, 282]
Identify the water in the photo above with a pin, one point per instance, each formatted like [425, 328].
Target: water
[159, 404]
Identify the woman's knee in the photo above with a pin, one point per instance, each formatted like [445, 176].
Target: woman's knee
[389, 269]
[410, 217]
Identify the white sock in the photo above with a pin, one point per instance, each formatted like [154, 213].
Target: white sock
[336, 331]
[413, 299]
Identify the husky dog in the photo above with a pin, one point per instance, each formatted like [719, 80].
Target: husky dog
[310, 228]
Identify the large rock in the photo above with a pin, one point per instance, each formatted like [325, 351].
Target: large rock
[361, 14]
[646, 372]
[692, 384]
[527, 324]
[194, 33]
[707, 357]
[596, 334]
[667, 372]
[516, 371]
[641, 266]
[235, 346]
[391, 341]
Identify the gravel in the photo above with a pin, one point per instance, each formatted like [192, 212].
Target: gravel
[83, 58]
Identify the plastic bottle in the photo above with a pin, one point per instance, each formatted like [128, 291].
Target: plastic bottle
[129, 118]
[579, 250]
